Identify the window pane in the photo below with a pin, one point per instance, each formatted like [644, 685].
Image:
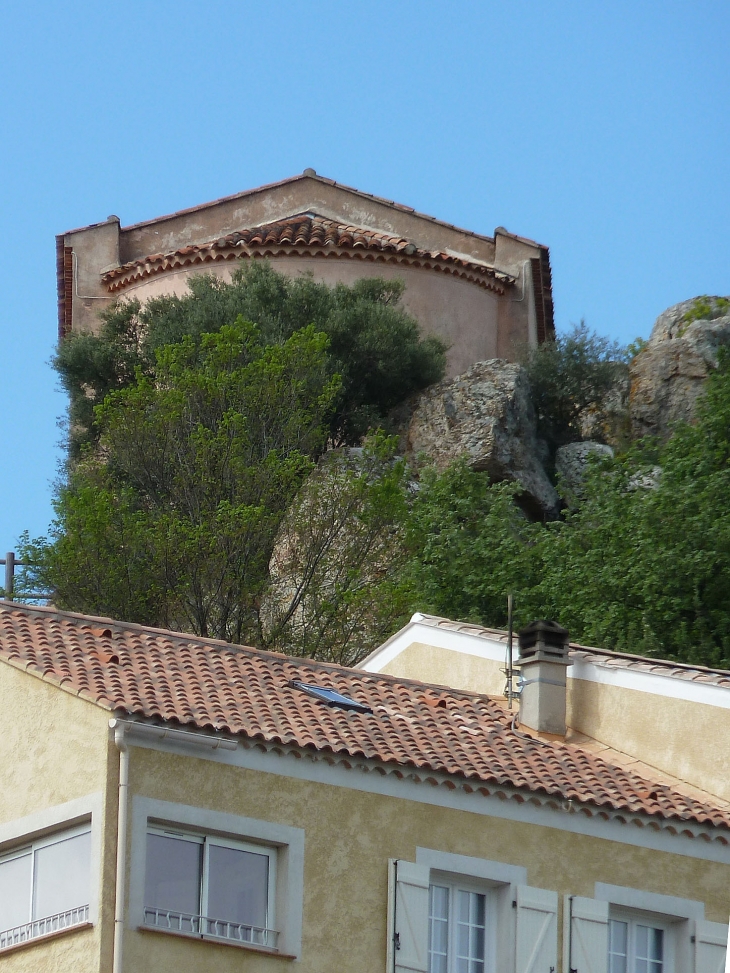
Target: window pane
[462, 939]
[438, 928]
[238, 886]
[476, 950]
[470, 939]
[649, 949]
[15, 892]
[477, 909]
[462, 906]
[439, 902]
[618, 933]
[62, 874]
[173, 874]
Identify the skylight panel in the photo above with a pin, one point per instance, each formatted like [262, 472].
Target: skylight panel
[330, 697]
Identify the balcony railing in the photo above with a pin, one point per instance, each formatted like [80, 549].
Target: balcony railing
[42, 927]
[193, 925]
[24, 594]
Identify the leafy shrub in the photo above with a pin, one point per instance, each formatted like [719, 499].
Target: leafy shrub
[570, 377]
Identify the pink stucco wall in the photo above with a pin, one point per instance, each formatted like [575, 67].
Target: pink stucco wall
[463, 314]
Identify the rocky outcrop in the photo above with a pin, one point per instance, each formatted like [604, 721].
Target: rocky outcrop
[647, 479]
[485, 415]
[668, 375]
[610, 422]
[571, 465]
[337, 543]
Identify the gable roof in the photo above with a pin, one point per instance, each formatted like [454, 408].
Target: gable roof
[351, 190]
[209, 685]
[308, 235]
[605, 658]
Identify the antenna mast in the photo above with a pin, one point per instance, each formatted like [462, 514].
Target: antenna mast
[508, 690]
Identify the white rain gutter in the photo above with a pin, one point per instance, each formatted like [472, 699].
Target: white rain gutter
[124, 733]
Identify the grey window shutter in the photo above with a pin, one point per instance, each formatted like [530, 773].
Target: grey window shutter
[410, 918]
[537, 930]
[709, 946]
[585, 938]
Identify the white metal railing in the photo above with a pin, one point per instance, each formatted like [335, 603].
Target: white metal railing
[235, 932]
[41, 927]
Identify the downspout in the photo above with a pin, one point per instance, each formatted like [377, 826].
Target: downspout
[149, 733]
[122, 814]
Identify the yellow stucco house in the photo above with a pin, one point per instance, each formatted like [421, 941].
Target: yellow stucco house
[171, 803]
[485, 296]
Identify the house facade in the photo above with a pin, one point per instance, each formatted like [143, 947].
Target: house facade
[484, 296]
[171, 803]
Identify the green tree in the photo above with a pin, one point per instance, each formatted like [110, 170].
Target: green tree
[644, 564]
[172, 519]
[573, 377]
[470, 546]
[374, 346]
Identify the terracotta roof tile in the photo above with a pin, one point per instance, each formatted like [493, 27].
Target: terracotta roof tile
[206, 684]
[308, 235]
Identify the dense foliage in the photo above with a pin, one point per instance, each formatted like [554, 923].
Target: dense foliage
[191, 437]
[573, 379]
[643, 564]
[374, 346]
[171, 520]
[200, 495]
[337, 584]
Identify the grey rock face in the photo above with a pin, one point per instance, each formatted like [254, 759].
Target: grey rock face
[609, 423]
[486, 415]
[649, 479]
[667, 377]
[571, 464]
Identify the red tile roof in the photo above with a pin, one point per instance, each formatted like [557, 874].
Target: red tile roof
[309, 235]
[210, 685]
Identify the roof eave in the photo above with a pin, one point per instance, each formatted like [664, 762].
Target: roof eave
[539, 797]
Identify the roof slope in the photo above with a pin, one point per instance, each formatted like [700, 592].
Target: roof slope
[307, 234]
[206, 684]
[311, 174]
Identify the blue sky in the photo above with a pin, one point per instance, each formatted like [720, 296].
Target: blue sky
[600, 129]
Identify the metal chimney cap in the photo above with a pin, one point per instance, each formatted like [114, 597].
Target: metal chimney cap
[545, 640]
[555, 632]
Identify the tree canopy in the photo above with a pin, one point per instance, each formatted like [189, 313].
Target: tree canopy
[572, 378]
[220, 484]
[172, 518]
[374, 345]
[189, 448]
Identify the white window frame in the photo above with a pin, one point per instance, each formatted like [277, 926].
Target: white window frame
[680, 916]
[634, 918]
[509, 900]
[258, 937]
[284, 845]
[39, 830]
[461, 883]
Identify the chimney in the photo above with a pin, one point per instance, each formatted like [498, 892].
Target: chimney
[543, 661]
